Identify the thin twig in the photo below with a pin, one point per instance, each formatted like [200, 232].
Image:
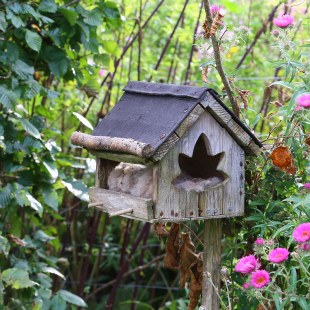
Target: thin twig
[193, 47]
[219, 66]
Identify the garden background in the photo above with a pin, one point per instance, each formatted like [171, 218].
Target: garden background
[63, 65]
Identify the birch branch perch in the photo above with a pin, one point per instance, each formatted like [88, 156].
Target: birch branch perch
[218, 61]
[104, 143]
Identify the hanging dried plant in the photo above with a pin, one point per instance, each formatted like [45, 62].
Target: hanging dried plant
[206, 28]
[244, 97]
[187, 257]
[204, 75]
[172, 258]
[282, 158]
[160, 230]
[196, 274]
[217, 21]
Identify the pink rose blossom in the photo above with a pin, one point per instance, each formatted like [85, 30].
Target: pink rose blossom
[302, 233]
[303, 102]
[307, 185]
[246, 285]
[247, 264]
[304, 246]
[283, 21]
[259, 241]
[260, 278]
[278, 255]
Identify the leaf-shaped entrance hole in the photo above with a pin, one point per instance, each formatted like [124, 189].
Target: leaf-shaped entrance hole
[199, 171]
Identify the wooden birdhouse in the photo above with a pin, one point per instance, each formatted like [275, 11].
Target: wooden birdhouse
[169, 153]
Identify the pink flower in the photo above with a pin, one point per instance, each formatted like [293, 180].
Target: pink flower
[246, 285]
[278, 255]
[260, 278]
[307, 185]
[302, 233]
[283, 21]
[247, 264]
[101, 72]
[303, 101]
[259, 241]
[304, 246]
[214, 8]
[275, 33]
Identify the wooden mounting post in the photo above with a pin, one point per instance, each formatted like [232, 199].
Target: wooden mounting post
[211, 264]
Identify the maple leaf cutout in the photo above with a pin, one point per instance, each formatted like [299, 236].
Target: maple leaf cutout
[172, 257]
[187, 257]
[282, 158]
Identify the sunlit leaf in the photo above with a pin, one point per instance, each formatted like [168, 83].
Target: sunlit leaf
[17, 278]
[83, 120]
[72, 298]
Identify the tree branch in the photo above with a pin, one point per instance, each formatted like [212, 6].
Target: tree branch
[218, 61]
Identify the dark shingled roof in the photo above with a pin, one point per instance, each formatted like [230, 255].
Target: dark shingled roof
[150, 112]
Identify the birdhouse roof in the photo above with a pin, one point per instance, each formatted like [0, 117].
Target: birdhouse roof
[151, 117]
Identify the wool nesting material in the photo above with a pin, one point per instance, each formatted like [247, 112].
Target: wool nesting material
[133, 179]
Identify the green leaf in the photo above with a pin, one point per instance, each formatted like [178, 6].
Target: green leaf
[93, 18]
[3, 22]
[277, 301]
[42, 236]
[303, 303]
[7, 97]
[57, 60]
[5, 196]
[33, 131]
[4, 246]
[35, 204]
[48, 6]
[69, 15]
[23, 70]
[77, 188]
[17, 278]
[53, 271]
[50, 197]
[111, 47]
[33, 40]
[284, 84]
[17, 21]
[51, 168]
[72, 298]
[103, 59]
[58, 303]
[83, 120]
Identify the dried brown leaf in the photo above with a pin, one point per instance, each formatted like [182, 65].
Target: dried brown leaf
[244, 97]
[206, 29]
[267, 305]
[160, 229]
[172, 257]
[204, 74]
[282, 158]
[217, 21]
[16, 240]
[187, 257]
[196, 272]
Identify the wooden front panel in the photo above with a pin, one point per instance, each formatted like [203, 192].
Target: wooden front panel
[223, 200]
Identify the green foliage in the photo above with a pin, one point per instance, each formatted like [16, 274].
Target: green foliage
[42, 42]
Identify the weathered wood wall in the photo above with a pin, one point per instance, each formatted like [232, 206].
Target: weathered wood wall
[222, 201]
